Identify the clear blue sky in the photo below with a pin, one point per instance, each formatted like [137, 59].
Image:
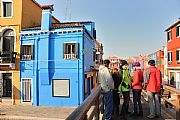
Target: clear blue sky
[125, 27]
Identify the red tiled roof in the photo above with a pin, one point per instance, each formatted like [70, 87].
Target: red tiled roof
[50, 6]
[60, 25]
[178, 22]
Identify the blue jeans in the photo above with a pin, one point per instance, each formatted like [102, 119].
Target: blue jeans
[153, 99]
[108, 105]
[137, 101]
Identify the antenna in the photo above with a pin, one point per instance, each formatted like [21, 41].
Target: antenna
[68, 10]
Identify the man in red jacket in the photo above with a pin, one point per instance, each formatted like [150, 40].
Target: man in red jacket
[153, 81]
[137, 88]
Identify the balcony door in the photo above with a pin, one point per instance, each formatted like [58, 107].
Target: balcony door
[8, 41]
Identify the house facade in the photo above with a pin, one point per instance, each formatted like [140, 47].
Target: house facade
[14, 16]
[173, 49]
[56, 61]
[114, 62]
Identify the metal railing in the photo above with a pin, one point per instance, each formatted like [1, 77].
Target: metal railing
[172, 96]
[90, 108]
[27, 57]
[7, 57]
[70, 56]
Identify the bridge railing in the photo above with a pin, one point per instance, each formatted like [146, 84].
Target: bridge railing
[172, 96]
[90, 108]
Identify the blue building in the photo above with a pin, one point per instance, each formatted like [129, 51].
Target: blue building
[55, 62]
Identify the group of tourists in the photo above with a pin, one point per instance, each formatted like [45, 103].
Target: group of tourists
[118, 82]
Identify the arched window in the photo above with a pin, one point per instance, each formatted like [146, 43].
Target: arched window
[8, 41]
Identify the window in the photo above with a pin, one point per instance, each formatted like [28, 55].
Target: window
[7, 8]
[169, 35]
[61, 88]
[26, 90]
[169, 56]
[70, 51]
[178, 31]
[27, 52]
[178, 56]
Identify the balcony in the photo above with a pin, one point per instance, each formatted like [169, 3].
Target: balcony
[70, 56]
[7, 59]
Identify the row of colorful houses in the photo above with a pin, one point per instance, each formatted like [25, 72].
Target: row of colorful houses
[42, 60]
[167, 59]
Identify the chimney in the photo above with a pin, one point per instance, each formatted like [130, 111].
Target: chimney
[46, 20]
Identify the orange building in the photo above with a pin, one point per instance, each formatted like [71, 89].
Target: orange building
[173, 49]
[14, 16]
[160, 61]
[114, 62]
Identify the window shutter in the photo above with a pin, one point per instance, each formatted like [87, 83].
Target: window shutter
[64, 49]
[32, 52]
[168, 56]
[177, 55]
[77, 50]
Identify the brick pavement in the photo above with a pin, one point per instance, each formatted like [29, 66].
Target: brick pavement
[27, 112]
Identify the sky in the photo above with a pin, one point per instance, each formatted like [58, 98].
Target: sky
[125, 27]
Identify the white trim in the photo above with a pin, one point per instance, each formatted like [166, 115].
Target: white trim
[170, 37]
[47, 12]
[71, 42]
[15, 36]
[179, 31]
[27, 44]
[50, 32]
[173, 68]
[21, 100]
[2, 8]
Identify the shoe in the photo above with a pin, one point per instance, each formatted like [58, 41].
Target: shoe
[157, 116]
[151, 116]
[133, 114]
[128, 112]
[140, 114]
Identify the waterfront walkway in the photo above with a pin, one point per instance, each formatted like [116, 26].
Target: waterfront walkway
[27, 112]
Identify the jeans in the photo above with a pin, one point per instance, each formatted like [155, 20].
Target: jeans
[137, 101]
[108, 105]
[153, 99]
[126, 97]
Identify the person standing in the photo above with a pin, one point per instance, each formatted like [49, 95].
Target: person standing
[125, 88]
[107, 86]
[153, 83]
[117, 81]
[137, 88]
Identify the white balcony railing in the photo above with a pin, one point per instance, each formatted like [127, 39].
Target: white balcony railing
[26, 57]
[70, 56]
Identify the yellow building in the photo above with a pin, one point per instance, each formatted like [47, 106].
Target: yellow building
[14, 16]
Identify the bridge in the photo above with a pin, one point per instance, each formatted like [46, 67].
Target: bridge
[92, 107]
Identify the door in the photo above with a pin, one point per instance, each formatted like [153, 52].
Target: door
[26, 90]
[7, 85]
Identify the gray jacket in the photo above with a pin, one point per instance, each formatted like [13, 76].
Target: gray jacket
[105, 79]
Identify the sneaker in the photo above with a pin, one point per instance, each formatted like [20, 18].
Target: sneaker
[151, 116]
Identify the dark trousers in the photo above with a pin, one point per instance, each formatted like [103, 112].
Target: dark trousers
[108, 105]
[137, 101]
[126, 97]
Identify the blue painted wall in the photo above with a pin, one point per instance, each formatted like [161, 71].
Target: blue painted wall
[48, 64]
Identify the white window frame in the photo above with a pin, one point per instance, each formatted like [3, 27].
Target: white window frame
[71, 56]
[65, 94]
[2, 8]
[170, 60]
[170, 36]
[22, 89]
[179, 55]
[30, 56]
[179, 31]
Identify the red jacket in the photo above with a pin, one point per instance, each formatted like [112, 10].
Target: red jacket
[137, 79]
[154, 79]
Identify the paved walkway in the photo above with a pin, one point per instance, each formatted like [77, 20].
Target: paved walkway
[19, 112]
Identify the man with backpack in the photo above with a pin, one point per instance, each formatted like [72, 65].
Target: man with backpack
[153, 81]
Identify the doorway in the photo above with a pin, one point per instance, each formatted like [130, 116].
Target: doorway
[7, 85]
